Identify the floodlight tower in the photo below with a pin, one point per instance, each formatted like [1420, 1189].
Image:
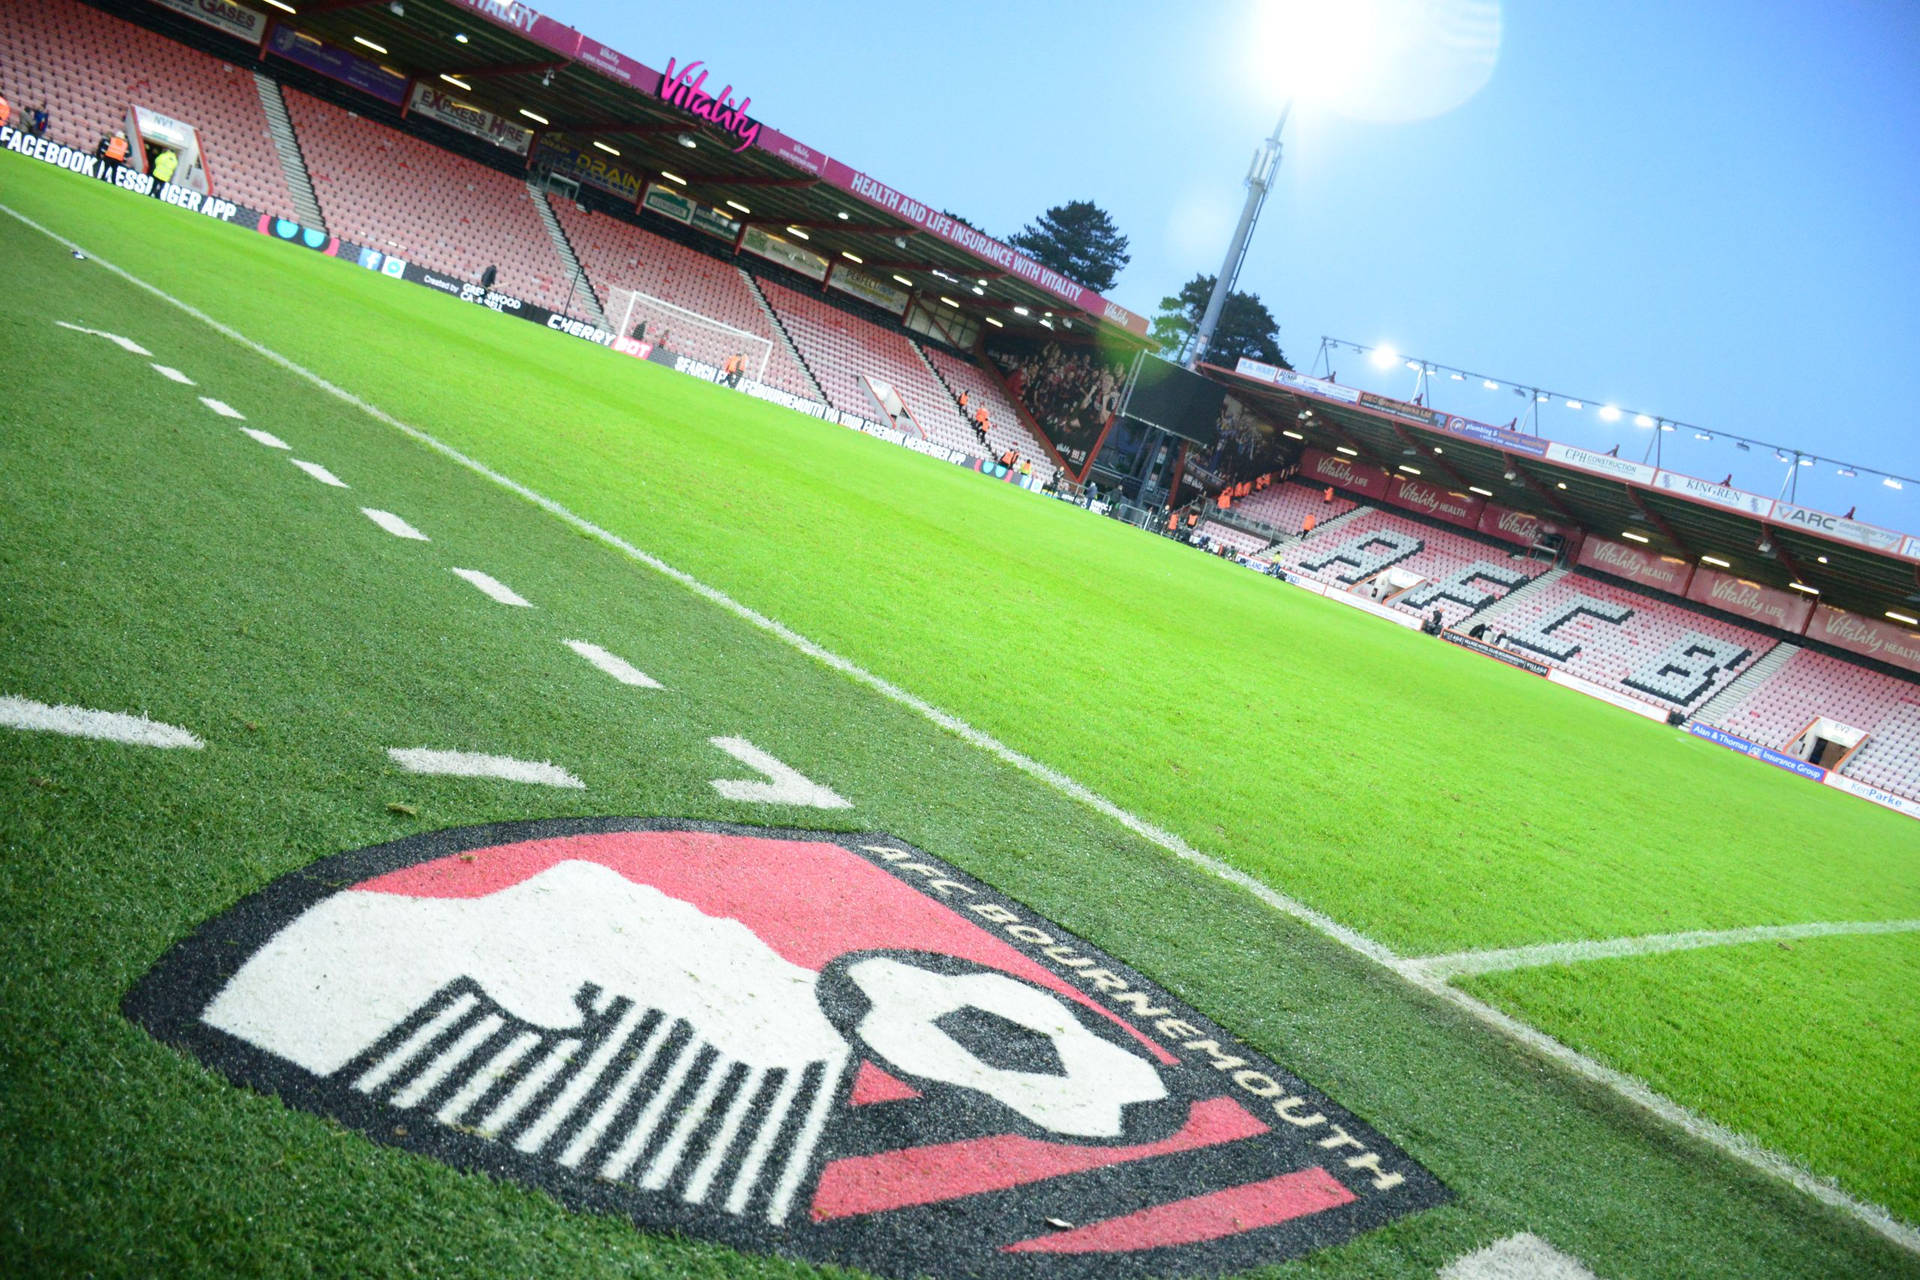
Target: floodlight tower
[1266, 159]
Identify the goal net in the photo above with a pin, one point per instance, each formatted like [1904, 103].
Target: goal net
[686, 333]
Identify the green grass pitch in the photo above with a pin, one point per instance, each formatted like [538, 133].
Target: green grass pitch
[153, 559]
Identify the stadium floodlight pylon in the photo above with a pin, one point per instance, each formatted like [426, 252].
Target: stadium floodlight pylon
[1266, 160]
[686, 332]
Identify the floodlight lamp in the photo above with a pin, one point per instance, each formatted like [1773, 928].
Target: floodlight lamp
[1489, 384]
[1642, 420]
[1764, 546]
[1383, 357]
[397, 9]
[1511, 475]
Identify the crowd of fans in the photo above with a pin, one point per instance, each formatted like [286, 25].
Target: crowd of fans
[1069, 392]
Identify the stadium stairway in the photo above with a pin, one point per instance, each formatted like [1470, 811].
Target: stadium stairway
[580, 290]
[781, 335]
[292, 163]
[1513, 598]
[1729, 699]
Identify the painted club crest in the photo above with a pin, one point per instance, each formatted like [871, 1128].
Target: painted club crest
[829, 1046]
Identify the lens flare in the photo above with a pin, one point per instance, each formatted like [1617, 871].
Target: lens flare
[1381, 61]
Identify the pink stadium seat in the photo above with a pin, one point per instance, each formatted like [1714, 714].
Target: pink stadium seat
[1810, 685]
[90, 68]
[1463, 574]
[400, 195]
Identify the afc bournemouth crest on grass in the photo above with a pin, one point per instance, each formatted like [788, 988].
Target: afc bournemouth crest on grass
[833, 1047]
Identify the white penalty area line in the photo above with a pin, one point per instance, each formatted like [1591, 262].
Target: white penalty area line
[1460, 964]
[1632, 1090]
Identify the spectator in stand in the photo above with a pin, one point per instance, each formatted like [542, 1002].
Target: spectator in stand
[1327, 494]
[1306, 526]
[6, 112]
[964, 397]
[37, 123]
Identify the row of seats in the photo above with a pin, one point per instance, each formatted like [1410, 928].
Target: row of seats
[1810, 685]
[1286, 506]
[1635, 643]
[616, 254]
[1006, 429]
[90, 69]
[1462, 574]
[398, 194]
[840, 347]
[1225, 534]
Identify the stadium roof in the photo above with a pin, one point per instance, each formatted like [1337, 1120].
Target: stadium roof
[524, 67]
[1600, 494]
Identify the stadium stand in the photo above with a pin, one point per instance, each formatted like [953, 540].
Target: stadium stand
[90, 69]
[1239, 539]
[1006, 428]
[1463, 575]
[618, 254]
[839, 347]
[1813, 684]
[1286, 506]
[1623, 640]
[395, 193]
[1890, 757]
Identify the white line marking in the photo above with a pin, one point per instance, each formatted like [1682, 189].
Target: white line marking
[79, 722]
[319, 473]
[266, 438]
[394, 525]
[125, 344]
[784, 785]
[172, 374]
[1460, 963]
[1518, 1257]
[613, 664]
[222, 408]
[1699, 1127]
[494, 587]
[468, 764]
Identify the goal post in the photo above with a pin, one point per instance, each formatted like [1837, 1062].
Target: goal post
[686, 332]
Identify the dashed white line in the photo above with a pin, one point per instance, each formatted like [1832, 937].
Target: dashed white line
[613, 664]
[80, 722]
[125, 344]
[468, 764]
[266, 438]
[1460, 963]
[222, 408]
[172, 374]
[494, 587]
[393, 524]
[1538, 1042]
[319, 473]
[783, 785]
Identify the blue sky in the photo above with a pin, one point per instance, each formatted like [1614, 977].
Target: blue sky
[1708, 212]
